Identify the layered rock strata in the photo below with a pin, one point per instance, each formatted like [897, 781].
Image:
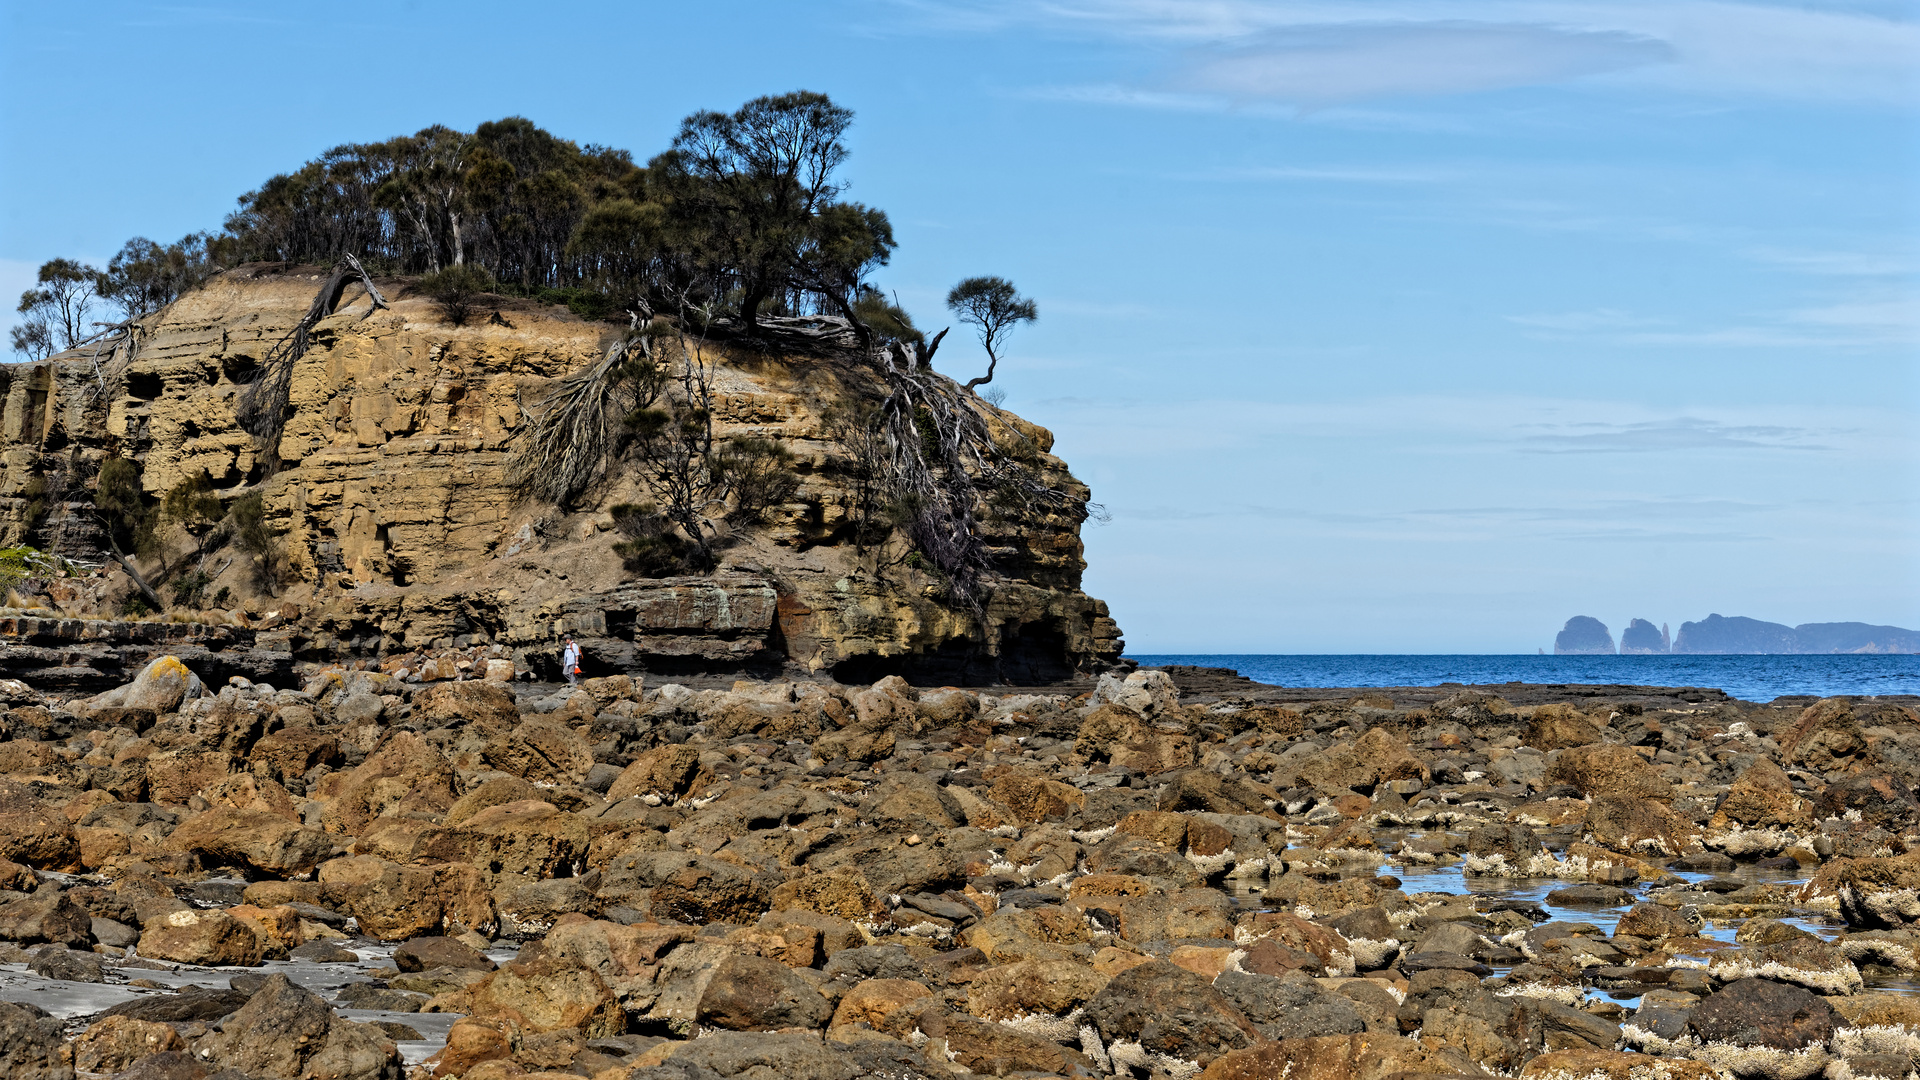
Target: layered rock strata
[399, 528]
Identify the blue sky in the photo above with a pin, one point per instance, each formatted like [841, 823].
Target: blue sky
[1379, 325]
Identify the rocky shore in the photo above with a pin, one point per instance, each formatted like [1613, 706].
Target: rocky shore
[1172, 874]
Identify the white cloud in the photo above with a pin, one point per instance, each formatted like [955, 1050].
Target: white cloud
[1312, 52]
[1327, 64]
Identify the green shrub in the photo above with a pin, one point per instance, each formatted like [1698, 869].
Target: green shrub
[455, 290]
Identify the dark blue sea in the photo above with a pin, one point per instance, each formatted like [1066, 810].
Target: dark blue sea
[1751, 678]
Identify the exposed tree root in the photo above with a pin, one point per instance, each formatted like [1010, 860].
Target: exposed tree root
[262, 409]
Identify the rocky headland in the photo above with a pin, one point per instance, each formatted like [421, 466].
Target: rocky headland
[393, 525]
[365, 877]
[1733, 635]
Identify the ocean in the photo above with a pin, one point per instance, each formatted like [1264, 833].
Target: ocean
[1751, 678]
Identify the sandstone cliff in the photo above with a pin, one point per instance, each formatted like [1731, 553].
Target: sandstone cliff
[400, 529]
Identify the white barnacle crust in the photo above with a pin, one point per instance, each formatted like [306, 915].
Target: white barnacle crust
[1370, 955]
[1564, 995]
[1209, 865]
[1892, 907]
[1900, 955]
[1844, 979]
[1876, 1039]
[1090, 1046]
[1740, 841]
[1060, 1029]
[1762, 1062]
[1132, 1056]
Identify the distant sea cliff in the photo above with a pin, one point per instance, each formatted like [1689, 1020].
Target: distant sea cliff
[1585, 635]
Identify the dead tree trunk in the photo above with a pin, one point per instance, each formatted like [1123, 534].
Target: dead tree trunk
[262, 408]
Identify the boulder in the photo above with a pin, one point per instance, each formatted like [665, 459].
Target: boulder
[1609, 769]
[159, 687]
[1592, 1064]
[422, 953]
[1033, 987]
[113, 1043]
[285, 1032]
[486, 706]
[543, 752]
[255, 840]
[1763, 798]
[1763, 1013]
[753, 993]
[191, 1004]
[207, 937]
[1170, 1011]
[544, 993]
[32, 835]
[1880, 893]
[1291, 1008]
[1146, 693]
[664, 772]
[46, 915]
[31, 1047]
[1558, 727]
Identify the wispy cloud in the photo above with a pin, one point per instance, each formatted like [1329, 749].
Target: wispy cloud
[1837, 263]
[1339, 174]
[1315, 52]
[1582, 321]
[1668, 435]
[1329, 64]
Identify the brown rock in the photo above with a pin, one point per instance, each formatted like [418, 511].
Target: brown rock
[1759, 1012]
[422, 953]
[391, 902]
[872, 1001]
[473, 1040]
[211, 938]
[487, 707]
[285, 1031]
[543, 752]
[544, 994]
[1630, 824]
[1369, 1056]
[753, 993]
[1558, 727]
[665, 771]
[1030, 987]
[47, 915]
[1763, 797]
[257, 840]
[113, 1043]
[1608, 769]
[33, 835]
[1614, 1065]
[1169, 1010]
[845, 895]
[1036, 798]
[405, 774]
[175, 776]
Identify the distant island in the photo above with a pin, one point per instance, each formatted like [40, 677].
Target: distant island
[1585, 635]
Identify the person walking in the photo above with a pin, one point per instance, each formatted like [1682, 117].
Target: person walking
[570, 662]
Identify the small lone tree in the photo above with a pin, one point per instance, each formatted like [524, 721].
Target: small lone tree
[993, 308]
[56, 313]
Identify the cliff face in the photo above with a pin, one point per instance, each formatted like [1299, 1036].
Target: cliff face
[400, 528]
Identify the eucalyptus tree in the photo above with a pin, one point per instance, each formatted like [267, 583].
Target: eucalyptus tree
[993, 308]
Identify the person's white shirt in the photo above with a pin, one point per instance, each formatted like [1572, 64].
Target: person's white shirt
[570, 657]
